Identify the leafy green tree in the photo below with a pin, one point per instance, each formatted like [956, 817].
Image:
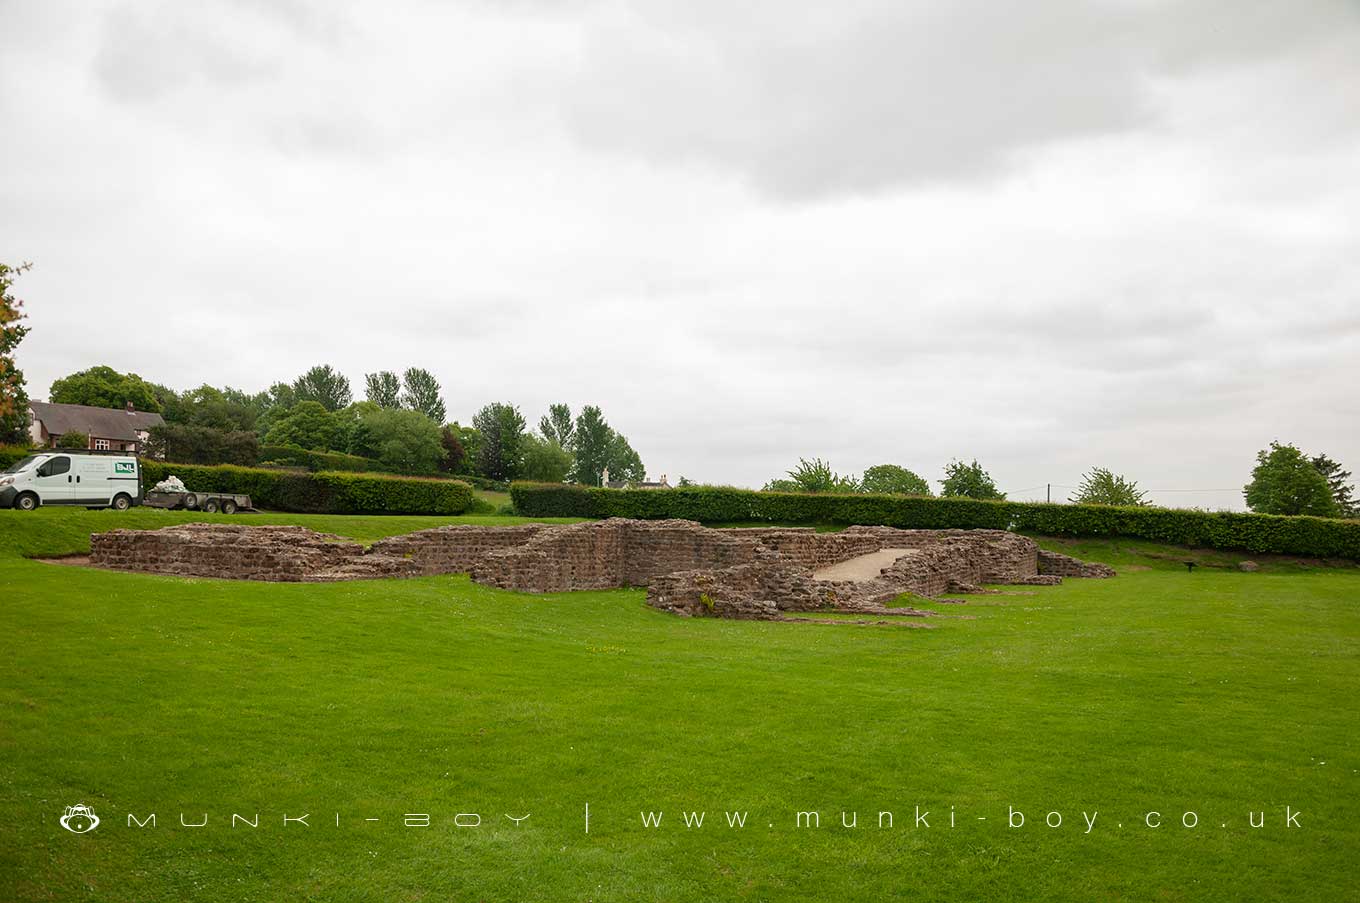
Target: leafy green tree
[227, 410]
[276, 403]
[1343, 491]
[968, 481]
[73, 439]
[590, 443]
[471, 441]
[1284, 481]
[306, 425]
[383, 388]
[325, 386]
[556, 425]
[421, 393]
[1101, 487]
[501, 452]
[814, 476]
[188, 444]
[453, 455]
[105, 387]
[889, 478]
[623, 462]
[545, 460]
[13, 396]
[404, 441]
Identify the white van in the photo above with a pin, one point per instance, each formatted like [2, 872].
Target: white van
[66, 477]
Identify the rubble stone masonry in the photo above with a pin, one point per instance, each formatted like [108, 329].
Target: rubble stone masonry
[688, 569]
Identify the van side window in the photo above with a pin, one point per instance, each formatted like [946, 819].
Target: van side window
[54, 467]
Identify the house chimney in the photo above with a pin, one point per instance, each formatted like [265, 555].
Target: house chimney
[130, 408]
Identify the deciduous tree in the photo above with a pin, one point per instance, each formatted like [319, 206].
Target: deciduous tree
[1101, 487]
[421, 393]
[968, 481]
[1343, 491]
[591, 438]
[502, 430]
[105, 387]
[1284, 481]
[814, 476]
[13, 397]
[556, 425]
[383, 388]
[324, 385]
[306, 425]
[891, 478]
[545, 460]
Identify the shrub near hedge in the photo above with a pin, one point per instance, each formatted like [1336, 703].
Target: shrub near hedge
[1309, 536]
[10, 454]
[325, 492]
[315, 460]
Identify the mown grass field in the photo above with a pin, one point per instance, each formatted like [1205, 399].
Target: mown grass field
[1216, 692]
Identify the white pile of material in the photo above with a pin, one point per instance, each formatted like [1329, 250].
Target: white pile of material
[170, 484]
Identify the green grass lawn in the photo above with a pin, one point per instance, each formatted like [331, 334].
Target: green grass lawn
[1216, 692]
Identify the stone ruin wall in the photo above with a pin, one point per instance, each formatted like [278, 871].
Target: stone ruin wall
[1059, 565]
[454, 549]
[612, 553]
[279, 554]
[689, 569]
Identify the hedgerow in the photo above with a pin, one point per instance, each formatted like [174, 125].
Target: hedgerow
[315, 460]
[324, 492]
[1261, 533]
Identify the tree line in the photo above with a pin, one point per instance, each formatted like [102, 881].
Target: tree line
[400, 423]
[1284, 481]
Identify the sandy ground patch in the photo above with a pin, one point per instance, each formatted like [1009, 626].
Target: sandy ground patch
[865, 567]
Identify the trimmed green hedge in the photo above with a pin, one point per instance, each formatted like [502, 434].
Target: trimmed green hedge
[1309, 536]
[315, 460]
[291, 456]
[324, 492]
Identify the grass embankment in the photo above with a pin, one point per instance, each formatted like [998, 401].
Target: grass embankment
[1217, 692]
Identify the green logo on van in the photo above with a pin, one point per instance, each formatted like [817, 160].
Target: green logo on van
[124, 467]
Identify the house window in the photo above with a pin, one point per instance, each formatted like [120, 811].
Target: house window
[101, 445]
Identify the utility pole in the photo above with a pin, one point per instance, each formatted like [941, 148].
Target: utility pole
[1048, 495]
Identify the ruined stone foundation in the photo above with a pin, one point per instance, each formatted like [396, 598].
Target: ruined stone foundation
[688, 569]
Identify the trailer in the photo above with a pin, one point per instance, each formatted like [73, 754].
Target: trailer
[207, 502]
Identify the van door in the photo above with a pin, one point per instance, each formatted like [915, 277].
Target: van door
[126, 479]
[54, 482]
[92, 486]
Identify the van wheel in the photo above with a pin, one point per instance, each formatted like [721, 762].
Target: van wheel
[26, 502]
[228, 507]
[121, 502]
[210, 506]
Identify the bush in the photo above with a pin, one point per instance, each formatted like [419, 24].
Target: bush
[10, 454]
[324, 492]
[203, 445]
[1260, 533]
[292, 456]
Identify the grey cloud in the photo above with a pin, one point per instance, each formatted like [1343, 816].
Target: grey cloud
[895, 94]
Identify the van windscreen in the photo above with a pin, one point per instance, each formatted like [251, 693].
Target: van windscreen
[20, 464]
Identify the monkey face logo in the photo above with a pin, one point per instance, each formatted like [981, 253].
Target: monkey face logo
[79, 819]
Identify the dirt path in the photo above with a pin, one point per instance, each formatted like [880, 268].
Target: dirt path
[865, 567]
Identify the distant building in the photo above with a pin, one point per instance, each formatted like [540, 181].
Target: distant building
[632, 484]
[109, 429]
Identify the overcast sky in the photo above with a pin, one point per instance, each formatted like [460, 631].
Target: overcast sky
[1048, 236]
